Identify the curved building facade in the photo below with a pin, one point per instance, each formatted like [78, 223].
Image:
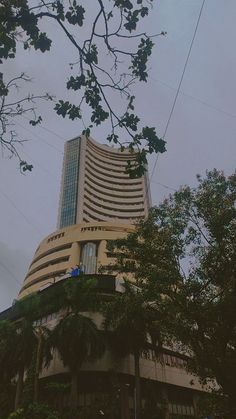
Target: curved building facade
[95, 186]
[81, 244]
[99, 202]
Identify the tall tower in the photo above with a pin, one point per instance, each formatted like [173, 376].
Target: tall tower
[98, 202]
[95, 187]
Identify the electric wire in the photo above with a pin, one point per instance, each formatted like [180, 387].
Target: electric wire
[203, 102]
[28, 221]
[180, 82]
[177, 92]
[46, 129]
[39, 166]
[164, 185]
[40, 138]
[10, 273]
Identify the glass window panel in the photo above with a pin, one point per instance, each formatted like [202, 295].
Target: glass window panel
[89, 258]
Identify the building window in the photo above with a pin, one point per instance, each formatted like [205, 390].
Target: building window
[89, 258]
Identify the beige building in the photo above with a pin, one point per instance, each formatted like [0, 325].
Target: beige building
[81, 244]
[95, 186]
[99, 202]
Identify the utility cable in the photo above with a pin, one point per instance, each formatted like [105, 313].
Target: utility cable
[10, 273]
[203, 102]
[178, 89]
[20, 212]
[39, 137]
[164, 186]
[46, 129]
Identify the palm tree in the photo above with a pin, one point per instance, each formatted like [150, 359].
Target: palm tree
[8, 368]
[25, 348]
[130, 320]
[29, 342]
[8, 338]
[76, 337]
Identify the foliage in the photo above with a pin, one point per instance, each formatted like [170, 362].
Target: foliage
[76, 337]
[35, 411]
[129, 322]
[80, 295]
[92, 77]
[82, 334]
[10, 107]
[8, 340]
[27, 344]
[184, 258]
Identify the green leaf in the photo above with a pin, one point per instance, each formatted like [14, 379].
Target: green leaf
[75, 15]
[43, 43]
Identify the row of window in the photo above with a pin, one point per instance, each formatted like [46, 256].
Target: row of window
[44, 278]
[110, 193]
[123, 157]
[114, 209]
[106, 168]
[47, 264]
[118, 202]
[46, 319]
[57, 236]
[110, 153]
[105, 216]
[119, 186]
[165, 359]
[51, 251]
[181, 409]
[109, 175]
[92, 228]
[87, 399]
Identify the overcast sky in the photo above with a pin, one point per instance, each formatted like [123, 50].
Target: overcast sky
[201, 134]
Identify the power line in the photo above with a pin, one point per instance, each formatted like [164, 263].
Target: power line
[10, 273]
[40, 138]
[43, 169]
[164, 186]
[46, 129]
[209, 105]
[20, 212]
[180, 82]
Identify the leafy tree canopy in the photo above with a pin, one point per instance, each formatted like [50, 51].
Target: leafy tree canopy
[97, 71]
[184, 258]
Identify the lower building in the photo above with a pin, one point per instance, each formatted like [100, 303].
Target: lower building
[83, 247]
[164, 379]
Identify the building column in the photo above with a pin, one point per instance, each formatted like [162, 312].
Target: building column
[124, 401]
[195, 405]
[75, 255]
[101, 257]
[165, 402]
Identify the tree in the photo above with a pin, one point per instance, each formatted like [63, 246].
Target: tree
[7, 365]
[184, 258]
[7, 340]
[130, 321]
[10, 107]
[24, 351]
[31, 350]
[97, 69]
[21, 344]
[76, 337]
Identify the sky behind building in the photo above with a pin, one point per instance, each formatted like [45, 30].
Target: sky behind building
[201, 134]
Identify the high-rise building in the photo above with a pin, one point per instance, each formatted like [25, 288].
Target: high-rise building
[100, 203]
[95, 186]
